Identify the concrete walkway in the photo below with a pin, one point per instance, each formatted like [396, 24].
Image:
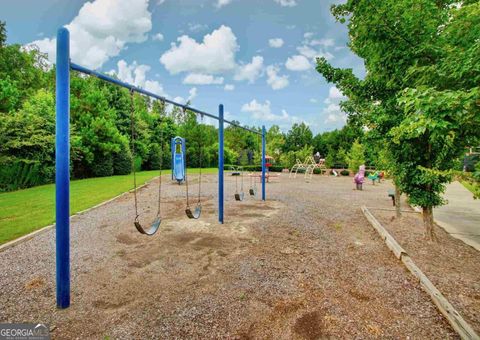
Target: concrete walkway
[461, 216]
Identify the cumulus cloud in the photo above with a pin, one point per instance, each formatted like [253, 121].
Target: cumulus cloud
[313, 48]
[102, 29]
[250, 71]
[275, 42]
[229, 87]
[313, 100]
[275, 80]
[333, 112]
[286, 3]
[202, 79]
[221, 3]
[215, 54]
[137, 75]
[264, 111]
[298, 63]
[158, 37]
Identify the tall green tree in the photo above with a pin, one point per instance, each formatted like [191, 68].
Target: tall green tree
[298, 137]
[420, 97]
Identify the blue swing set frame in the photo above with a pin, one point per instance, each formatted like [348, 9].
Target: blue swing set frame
[62, 156]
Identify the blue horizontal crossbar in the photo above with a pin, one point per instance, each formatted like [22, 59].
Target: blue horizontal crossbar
[112, 80]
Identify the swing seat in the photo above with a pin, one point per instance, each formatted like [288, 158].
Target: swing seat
[150, 231]
[239, 196]
[253, 192]
[196, 212]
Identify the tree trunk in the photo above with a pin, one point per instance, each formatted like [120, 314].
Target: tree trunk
[398, 211]
[428, 223]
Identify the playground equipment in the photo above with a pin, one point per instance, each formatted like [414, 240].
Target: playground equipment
[308, 166]
[312, 166]
[239, 196]
[156, 222]
[360, 177]
[62, 156]
[253, 186]
[179, 168]
[195, 214]
[375, 176]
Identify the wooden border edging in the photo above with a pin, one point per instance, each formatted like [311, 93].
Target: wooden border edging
[31, 235]
[464, 330]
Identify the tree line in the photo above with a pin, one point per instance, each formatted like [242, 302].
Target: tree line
[101, 128]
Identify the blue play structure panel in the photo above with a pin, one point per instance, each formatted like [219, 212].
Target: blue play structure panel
[178, 166]
[178, 159]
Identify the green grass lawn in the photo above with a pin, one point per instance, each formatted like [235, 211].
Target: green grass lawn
[24, 211]
[469, 186]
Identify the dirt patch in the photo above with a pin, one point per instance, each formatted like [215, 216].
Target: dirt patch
[305, 264]
[310, 326]
[449, 263]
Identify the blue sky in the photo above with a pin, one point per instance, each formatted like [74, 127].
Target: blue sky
[255, 57]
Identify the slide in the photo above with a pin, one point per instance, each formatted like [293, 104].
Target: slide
[178, 159]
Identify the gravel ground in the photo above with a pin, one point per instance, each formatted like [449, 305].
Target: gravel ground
[305, 264]
[450, 264]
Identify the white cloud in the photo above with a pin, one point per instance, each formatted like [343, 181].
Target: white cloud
[333, 111]
[323, 42]
[192, 94]
[221, 3]
[313, 100]
[158, 37]
[102, 29]
[298, 63]
[197, 27]
[202, 79]
[214, 55]
[286, 3]
[137, 75]
[263, 111]
[159, 2]
[229, 87]
[250, 71]
[275, 42]
[276, 81]
[334, 93]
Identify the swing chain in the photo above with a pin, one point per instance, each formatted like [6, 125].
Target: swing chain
[186, 167]
[161, 165]
[132, 127]
[200, 144]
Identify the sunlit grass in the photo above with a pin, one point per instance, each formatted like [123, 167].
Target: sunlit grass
[24, 211]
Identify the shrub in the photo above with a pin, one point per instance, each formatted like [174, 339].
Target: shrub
[20, 175]
[103, 166]
[318, 171]
[122, 161]
[345, 173]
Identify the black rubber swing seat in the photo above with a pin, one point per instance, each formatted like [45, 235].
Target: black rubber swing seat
[253, 192]
[196, 212]
[150, 231]
[239, 196]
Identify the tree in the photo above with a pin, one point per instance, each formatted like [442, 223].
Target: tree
[275, 141]
[297, 137]
[420, 95]
[356, 156]
[3, 34]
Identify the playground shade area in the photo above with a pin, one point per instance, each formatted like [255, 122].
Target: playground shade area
[305, 264]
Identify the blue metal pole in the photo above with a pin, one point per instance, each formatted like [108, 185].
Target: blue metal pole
[62, 169]
[264, 167]
[220, 164]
